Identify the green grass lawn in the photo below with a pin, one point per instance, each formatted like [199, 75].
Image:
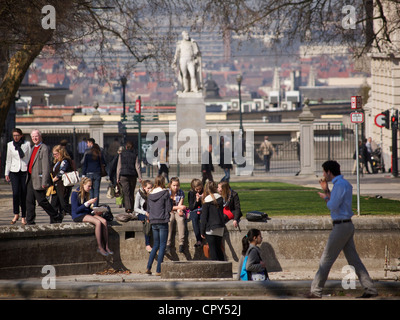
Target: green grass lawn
[284, 199]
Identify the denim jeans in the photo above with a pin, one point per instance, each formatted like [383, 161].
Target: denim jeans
[95, 191]
[196, 223]
[227, 175]
[160, 236]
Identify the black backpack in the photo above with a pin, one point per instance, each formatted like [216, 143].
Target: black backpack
[257, 216]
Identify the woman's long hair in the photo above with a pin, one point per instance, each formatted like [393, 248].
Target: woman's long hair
[82, 195]
[209, 189]
[63, 153]
[225, 190]
[95, 151]
[159, 182]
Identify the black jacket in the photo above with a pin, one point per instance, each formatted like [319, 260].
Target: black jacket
[193, 204]
[128, 163]
[212, 216]
[233, 204]
[159, 206]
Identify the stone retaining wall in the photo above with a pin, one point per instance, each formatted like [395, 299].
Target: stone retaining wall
[289, 244]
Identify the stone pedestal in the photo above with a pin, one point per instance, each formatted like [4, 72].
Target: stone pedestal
[190, 120]
[307, 162]
[96, 130]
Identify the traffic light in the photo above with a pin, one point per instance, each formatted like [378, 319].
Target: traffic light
[394, 119]
[385, 119]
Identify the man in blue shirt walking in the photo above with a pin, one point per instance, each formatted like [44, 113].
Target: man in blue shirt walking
[341, 237]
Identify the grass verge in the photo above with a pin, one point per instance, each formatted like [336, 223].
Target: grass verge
[284, 199]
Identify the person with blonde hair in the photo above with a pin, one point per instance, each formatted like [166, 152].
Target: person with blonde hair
[81, 212]
[62, 164]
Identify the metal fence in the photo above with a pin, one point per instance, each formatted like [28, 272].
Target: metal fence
[335, 141]
[332, 141]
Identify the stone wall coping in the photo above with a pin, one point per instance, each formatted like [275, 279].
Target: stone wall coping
[275, 224]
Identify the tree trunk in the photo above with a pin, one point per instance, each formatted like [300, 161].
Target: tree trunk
[19, 64]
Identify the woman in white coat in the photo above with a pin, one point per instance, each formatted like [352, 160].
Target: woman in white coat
[18, 153]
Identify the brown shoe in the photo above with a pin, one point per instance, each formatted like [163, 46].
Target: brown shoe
[311, 295]
[148, 271]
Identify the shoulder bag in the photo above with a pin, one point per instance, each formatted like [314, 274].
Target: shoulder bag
[70, 178]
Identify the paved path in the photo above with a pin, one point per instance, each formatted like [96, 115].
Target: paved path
[284, 285]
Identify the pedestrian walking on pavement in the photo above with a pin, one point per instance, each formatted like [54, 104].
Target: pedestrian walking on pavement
[339, 202]
[81, 211]
[159, 206]
[266, 151]
[207, 166]
[128, 172]
[17, 158]
[92, 163]
[39, 180]
[62, 164]
[255, 268]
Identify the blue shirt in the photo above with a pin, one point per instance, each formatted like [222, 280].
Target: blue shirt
[341, 199]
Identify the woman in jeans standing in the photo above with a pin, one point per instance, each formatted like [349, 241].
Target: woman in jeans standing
[92, 169]
[18, 153]
[159, 206]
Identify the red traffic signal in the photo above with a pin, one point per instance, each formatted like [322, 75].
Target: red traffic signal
[395, 118]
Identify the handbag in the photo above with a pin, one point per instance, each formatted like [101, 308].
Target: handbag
[228, 213]
[103, 168]
[147, 227]
[104, 210]
[110, 191]
[206, 250]
[70, 178]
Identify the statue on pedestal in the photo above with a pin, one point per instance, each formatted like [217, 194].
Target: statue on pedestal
[188, 58]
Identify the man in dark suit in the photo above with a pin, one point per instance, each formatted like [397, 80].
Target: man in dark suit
[39, 180]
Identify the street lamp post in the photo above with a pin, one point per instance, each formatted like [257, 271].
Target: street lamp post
[239, 79]
[123, 82]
